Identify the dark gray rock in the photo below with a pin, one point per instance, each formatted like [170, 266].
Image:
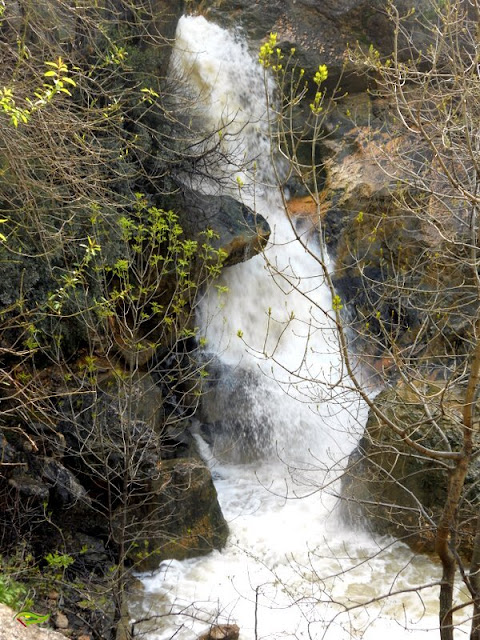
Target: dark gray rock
[7, 452]
[179, 518]
[138, 394]
[49, 442]
[88, 550]
[29, 486]
[320, 31]
[64, 486]
[241, 232]
[178, 441]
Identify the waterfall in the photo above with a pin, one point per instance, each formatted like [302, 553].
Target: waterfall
[290, 569]
[277, 302]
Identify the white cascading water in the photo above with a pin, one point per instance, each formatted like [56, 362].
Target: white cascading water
[291, 569]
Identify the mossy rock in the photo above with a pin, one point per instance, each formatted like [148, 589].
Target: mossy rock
[180, 518]
[391, 488]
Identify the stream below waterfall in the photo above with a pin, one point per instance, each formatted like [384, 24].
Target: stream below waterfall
[290, 568]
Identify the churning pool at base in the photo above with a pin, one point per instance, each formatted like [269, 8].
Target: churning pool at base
[291, 570]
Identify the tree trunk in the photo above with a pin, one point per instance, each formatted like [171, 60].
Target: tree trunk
[474, 580]
[446, 599]
[446, 525]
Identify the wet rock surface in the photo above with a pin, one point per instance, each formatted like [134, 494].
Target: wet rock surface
[241, 233]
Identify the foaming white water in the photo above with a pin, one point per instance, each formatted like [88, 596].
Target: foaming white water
[276, 302]
[290, 568]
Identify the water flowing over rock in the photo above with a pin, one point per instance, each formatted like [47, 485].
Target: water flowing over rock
[320, 31]
[273, 399]
[281, 562]
[366, 228]
[236, 417]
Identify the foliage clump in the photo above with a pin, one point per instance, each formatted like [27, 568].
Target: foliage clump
[101, 280]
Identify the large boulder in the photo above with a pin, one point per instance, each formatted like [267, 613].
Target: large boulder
[400, 253]
[77, 466]
[239, 231]
[393, 489]
[180, 517]
[376, 243]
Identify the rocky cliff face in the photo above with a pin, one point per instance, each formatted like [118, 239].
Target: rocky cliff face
[364, 224]
[49, 462]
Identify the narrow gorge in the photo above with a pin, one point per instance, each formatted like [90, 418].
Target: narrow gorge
[239, 323]
[277, 431]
